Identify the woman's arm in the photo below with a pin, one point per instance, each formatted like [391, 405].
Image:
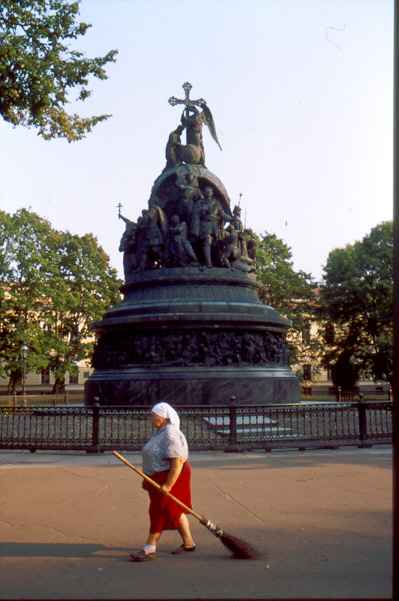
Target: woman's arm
[176, 466]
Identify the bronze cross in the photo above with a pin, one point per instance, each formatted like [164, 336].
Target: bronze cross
[187, 100]
[119, 206]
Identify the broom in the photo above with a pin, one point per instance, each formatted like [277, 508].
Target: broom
[239, 548]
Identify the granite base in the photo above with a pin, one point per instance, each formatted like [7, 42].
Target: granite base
[199, 386]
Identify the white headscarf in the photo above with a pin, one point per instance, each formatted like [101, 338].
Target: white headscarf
[166, 411]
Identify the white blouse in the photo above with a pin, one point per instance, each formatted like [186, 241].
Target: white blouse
[166, 443]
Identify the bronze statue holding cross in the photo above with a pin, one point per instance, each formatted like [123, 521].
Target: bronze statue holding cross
[192, 120]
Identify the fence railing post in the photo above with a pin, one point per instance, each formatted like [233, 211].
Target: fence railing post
[362, 415]
[232, 427]
[95, 429]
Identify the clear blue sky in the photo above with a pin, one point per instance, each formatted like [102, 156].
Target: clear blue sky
[302, 96]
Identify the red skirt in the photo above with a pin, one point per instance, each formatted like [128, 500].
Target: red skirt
[164, 512]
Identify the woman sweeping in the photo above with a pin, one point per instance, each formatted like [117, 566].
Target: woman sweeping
[165, 460]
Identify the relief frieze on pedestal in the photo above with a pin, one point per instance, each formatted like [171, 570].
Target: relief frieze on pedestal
[190, 349]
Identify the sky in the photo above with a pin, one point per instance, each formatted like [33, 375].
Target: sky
[301, 92]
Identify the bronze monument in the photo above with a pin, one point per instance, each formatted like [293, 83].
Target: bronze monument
[191, 328]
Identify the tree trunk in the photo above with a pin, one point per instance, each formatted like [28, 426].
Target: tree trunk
[59, 385]
[14, 381]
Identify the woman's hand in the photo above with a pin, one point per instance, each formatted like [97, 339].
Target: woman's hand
[165, 488]
[176, 466]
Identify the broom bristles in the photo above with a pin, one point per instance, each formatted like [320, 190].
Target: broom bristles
[239, 548]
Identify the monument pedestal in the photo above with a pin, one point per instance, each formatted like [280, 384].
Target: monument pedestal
[191, 336]
[199, 386]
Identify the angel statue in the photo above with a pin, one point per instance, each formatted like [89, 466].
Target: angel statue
[192, 121]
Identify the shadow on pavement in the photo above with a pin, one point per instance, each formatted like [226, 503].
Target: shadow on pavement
[75, 551]
[10, 549]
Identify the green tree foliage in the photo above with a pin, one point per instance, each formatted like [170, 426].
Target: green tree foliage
[38, 68]
[357, 296]
[53, 284]
[289, 291]
[26, 262]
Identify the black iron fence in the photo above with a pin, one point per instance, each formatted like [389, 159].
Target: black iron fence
[228, 428]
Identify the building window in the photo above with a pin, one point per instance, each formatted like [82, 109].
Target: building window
[306, 333]
[307, 372]
[86, 374]
[329, 334]
[74, 377]
[45, 376]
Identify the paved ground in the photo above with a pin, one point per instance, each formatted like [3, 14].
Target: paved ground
[322, 520]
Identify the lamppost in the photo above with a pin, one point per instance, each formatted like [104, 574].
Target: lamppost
[24, 353]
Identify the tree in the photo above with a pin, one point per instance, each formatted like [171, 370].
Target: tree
[87, 287]
[357, 296]
[53, 285]
[38, 69]
[345, 373]
[27, 268]
[292, 293]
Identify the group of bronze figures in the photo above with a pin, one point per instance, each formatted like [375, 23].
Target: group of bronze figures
[195, 230]
[188, 220]
[190, 349]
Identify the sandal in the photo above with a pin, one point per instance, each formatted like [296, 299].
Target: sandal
[183, 549]
[141, 556]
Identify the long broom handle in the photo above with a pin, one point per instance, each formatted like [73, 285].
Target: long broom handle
[156, 485]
